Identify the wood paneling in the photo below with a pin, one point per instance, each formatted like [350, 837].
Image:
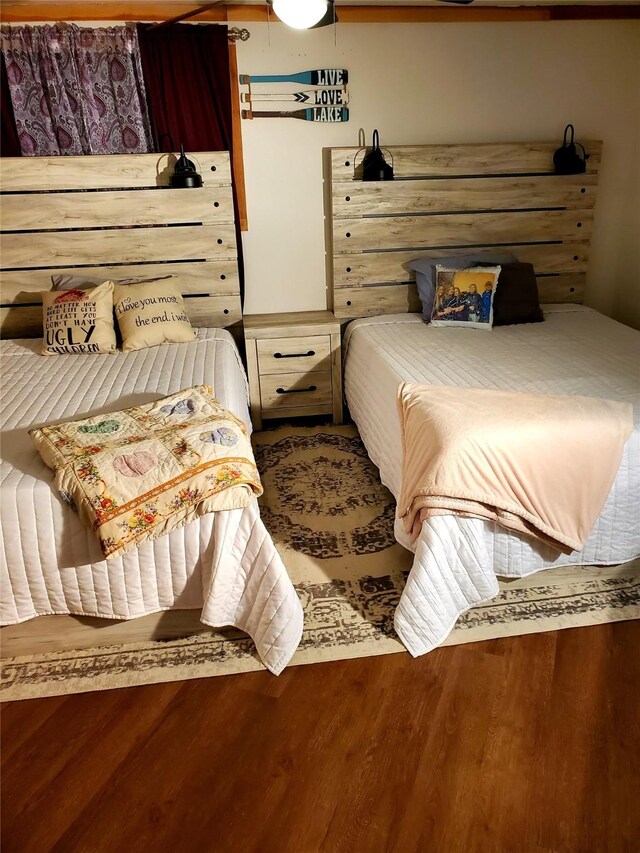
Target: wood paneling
[135, 245]
[450, 200]
[526, 743]
[114, 217]
[107, 171]
[213, 311]
[19, 212]
[208, 277]
[471, 229]
[351, 270]
[375, 198]
[440, 161]
[369, 301]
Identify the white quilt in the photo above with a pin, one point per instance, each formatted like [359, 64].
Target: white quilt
[224, 563]
[457, 560]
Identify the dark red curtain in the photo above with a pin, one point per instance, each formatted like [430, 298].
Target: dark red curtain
[186, 77]
[9, 142]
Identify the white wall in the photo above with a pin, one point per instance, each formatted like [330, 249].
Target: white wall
[443, 83]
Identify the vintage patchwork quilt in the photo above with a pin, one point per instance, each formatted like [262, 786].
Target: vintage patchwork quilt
[139, 473]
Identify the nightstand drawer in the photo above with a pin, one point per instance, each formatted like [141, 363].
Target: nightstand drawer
[294, 390]
[290, 355]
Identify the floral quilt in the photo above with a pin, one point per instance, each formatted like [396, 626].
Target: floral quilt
[137, 474]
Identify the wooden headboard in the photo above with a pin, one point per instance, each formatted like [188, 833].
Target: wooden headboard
[116, 217]
[447, 199]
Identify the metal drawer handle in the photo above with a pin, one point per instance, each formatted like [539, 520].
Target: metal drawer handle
[296, 390]
[294, 354]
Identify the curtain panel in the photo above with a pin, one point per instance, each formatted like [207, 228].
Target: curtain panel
[186, 72]
[77, 90]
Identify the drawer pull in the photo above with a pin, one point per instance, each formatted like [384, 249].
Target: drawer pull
[296, 390]
[294, 354]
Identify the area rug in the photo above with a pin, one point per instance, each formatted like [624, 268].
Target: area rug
[332, 522]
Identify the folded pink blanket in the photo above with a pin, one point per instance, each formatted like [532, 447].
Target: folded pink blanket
[537, 464]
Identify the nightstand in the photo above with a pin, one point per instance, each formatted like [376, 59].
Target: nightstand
[294, 365]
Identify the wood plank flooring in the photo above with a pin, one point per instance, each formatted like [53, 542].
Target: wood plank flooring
[520, 744]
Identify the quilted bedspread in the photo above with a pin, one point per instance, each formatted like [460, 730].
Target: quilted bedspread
[138, 473]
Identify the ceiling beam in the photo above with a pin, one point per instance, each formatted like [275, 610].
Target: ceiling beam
[14, 11]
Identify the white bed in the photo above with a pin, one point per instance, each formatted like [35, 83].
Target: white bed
[224, 563]
[457, 560]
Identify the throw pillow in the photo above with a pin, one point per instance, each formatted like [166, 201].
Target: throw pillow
[425, 270]
[78, 321]
[516, 300]
[464, 297]
[151, 314]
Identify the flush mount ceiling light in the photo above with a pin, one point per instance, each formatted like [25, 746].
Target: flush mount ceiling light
[304, 14]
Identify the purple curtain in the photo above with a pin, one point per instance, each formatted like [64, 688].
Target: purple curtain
[9, 142]
[77, 90]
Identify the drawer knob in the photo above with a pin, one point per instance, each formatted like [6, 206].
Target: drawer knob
[294, 354]
[296, 390]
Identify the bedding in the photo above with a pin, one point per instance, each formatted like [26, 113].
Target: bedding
[517, 299]
[464, 298]
[144, 471]
[538, 464]
[457, 560]
[224, 563]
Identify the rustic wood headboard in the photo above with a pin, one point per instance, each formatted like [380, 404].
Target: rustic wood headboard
[447, 199]
[115, 217]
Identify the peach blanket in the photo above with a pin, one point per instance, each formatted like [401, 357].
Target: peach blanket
[536, 464]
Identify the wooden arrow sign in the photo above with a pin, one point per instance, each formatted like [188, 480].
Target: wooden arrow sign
[323, 97]
[317, 77]
[326, 114]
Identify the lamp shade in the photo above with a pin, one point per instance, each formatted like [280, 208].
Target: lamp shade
[185, 174]
[300, 14]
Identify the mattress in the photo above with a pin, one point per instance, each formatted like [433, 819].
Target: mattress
[224, 563]
[575, 351]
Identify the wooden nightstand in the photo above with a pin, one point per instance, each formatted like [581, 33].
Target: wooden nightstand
[294, 365]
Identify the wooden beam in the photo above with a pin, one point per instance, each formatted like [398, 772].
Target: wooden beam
[193, 13]
[14, 11]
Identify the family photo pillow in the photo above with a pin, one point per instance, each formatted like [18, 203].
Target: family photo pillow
[151, 314]
[464, 298]
[78, 321]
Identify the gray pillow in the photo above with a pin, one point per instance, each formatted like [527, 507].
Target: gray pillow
[425, 270]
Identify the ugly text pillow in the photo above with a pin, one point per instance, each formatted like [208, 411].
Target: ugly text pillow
[151, 314]
[464, 298]
[78, 321]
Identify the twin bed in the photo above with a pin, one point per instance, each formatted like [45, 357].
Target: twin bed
[224, 566]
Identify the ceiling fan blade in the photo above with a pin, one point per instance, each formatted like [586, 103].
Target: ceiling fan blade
[460, 2]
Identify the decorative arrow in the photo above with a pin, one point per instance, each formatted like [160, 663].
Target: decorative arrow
[317, 77]
[327, 114]
[323, 97]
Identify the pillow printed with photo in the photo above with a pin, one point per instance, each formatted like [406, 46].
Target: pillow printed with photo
[78, 321]
[464, 298]
[151, 314]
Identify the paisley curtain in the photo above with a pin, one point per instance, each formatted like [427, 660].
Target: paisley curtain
[77, 90]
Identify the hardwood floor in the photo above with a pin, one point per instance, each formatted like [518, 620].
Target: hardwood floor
[521, 744]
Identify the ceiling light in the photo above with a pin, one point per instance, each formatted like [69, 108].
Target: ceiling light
[300, 14]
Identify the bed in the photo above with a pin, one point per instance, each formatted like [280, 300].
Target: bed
[224, 566]
[449, 198]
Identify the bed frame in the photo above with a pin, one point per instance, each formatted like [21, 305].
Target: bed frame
[447, 199]
[114, 216]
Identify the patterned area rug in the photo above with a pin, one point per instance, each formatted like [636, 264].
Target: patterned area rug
[332, 522]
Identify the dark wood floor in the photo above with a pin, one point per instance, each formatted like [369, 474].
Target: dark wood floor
[522, 744]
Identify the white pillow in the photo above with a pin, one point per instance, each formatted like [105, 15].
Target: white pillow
[78, 321]
[151, 314]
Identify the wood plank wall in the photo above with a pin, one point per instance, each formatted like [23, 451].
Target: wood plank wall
[115, 217]
[446, 199]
